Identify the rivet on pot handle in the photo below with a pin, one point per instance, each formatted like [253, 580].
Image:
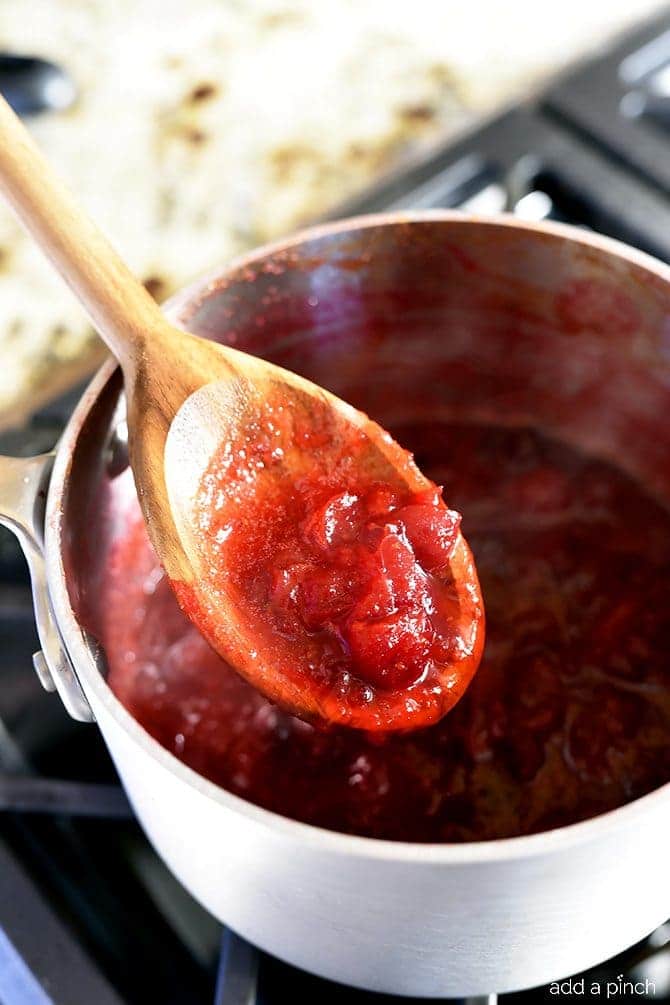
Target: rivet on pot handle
[23, 488]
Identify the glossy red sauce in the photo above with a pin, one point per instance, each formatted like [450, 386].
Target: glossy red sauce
[568, 715]
[342, 576]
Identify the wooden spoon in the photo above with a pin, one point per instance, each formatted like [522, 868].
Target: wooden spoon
[187, 396]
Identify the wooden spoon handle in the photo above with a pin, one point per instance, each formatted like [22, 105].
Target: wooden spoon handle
[118, 305]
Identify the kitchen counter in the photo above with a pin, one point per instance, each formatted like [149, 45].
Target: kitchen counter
[203, 129]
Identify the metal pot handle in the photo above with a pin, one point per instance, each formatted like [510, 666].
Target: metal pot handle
[23, 489]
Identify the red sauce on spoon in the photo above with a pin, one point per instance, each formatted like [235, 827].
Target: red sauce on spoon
[358, 591]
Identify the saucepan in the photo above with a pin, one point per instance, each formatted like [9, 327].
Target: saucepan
[434, 313]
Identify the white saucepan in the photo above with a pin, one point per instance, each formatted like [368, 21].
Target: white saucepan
[543, 325]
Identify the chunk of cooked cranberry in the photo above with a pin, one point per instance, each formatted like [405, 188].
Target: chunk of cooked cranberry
[337, 520]
[360, 580]
[391, 652]
[406, 579]
[431, 528]
[325, 595]
[319, 595]
[389, 633]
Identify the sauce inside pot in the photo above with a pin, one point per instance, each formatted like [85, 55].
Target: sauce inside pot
[568, 716]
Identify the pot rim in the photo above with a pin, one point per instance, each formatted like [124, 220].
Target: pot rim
[560, 839]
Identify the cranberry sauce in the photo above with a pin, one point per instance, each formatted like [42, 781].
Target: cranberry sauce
[567, 717]
[351, 596]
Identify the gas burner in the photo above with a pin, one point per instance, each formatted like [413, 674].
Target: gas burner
[88, 912]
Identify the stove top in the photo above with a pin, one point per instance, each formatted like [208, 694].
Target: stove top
[88, 913]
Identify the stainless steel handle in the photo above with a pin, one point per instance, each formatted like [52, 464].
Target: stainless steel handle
[23, 489]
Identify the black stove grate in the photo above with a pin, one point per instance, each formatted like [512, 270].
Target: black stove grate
[88, 913]
[524, 163]
[621, 100]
